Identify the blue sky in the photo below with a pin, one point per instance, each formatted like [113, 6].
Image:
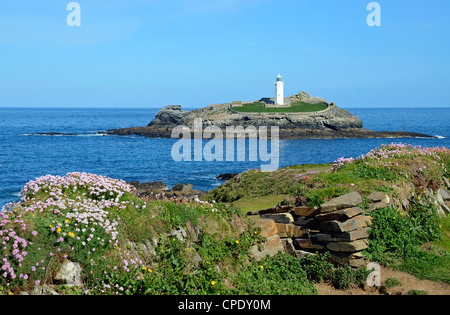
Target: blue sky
[152, 53]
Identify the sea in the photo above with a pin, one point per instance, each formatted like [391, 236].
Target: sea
[26, 154]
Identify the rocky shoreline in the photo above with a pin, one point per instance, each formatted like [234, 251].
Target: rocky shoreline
[286, 134]
[179, 191]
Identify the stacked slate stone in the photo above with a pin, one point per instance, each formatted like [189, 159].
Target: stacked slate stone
[343, 229]
[338, 226]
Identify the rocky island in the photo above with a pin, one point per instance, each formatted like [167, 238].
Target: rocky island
[303, 117]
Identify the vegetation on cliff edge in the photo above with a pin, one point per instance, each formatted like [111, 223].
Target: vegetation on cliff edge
[407, 234]
[98, 223]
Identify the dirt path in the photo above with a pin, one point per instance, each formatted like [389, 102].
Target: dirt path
[408, 283]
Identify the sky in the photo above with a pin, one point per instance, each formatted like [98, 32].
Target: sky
[153, 53]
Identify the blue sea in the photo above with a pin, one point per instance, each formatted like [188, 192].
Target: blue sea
[25, 155]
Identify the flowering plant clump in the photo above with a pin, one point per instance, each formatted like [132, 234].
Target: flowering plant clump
[341, 162]
[90, 220]
[117, 274]
[74, 217]
[93, 186]
[14, 247]
[390, 157]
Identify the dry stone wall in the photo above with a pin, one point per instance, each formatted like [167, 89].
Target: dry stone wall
[338, 226]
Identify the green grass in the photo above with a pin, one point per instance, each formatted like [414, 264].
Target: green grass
[254, 184]
[297, 107]
[417, 292]
[279, 275]
[319, 269]
[397, 240]
[392, 282]
[430, 265]
[259, 203]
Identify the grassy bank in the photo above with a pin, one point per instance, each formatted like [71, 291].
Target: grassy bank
[413, 239]
[398, 170]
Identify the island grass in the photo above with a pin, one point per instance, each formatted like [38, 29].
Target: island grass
[297, 107]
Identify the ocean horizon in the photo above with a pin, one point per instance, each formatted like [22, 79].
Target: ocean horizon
[26, 154]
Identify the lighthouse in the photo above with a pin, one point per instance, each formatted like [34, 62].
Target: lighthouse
[279, 91]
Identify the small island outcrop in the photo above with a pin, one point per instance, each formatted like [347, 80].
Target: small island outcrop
[331, 122]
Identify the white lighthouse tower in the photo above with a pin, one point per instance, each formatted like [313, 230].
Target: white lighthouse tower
[279, 91]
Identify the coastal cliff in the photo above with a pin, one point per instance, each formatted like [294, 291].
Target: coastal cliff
[332, 122]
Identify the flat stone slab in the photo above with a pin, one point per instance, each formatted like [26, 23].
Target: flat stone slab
[306, 222]
[273, 246]
[285, 218]
[340, 215]
[268, 227]
[348, 247]
[350, 200]
[350, 225]
[305, 211]
[378, 196]
[274, 210]
[343, 237]
[291, 230]
[378, 205]
[308, 244]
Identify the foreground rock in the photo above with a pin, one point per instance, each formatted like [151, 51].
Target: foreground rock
[347, 201]
[227, 176]
[180, 191]
[270, 248]
[146, 188]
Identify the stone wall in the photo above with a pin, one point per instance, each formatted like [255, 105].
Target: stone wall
[338, 226]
